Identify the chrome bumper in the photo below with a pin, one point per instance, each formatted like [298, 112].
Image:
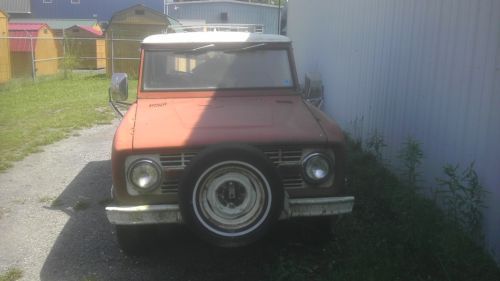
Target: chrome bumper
[145, 214]
[315, 207]
[170, 213]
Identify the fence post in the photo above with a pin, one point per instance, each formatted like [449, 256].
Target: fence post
[65, 65]
[64, 43]
[64, 48]
[33, 69]
[112, 55]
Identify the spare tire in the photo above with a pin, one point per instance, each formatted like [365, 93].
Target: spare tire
[230, 194]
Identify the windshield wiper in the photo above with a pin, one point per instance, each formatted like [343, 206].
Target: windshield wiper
[202, 47]
[246, 48]
[196, 49]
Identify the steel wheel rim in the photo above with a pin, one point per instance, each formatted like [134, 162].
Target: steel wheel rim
[235, 215]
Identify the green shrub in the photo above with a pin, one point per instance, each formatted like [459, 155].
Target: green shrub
[376, 145]
[393, 234]
[411, 156]
[12, 274]
[463, 198]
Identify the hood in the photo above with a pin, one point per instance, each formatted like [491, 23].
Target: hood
[197, 122]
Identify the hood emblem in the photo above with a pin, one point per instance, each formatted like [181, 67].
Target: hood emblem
[158, 104]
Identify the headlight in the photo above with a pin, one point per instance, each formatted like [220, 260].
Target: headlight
[317, 168]
[145, 175]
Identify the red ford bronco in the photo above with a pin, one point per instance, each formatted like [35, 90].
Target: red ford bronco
[221, 139]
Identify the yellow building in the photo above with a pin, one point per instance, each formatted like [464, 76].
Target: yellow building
[132, 24]
[5, 74]
[39, 38]
[92, 53]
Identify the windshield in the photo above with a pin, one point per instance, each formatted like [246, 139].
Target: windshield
[203, 68]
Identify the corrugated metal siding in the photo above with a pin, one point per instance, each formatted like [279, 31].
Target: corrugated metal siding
[102, 10]
[422, 68]
[57, 24]
[16, 6]
[238, 13]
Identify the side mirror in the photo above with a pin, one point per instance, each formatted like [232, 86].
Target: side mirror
[119, 87]
[313, 89]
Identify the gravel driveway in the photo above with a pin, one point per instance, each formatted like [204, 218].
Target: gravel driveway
[53, 225]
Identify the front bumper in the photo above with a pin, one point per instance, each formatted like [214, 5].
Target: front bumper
[170, 213]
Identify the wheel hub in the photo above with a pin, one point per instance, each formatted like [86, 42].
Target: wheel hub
[231, 194]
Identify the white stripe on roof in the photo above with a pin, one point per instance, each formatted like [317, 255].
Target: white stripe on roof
[214, 37]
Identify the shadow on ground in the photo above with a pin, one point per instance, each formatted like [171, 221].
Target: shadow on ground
[86, 248]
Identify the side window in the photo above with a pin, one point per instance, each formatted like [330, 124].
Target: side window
[47, 1]
[75, 1]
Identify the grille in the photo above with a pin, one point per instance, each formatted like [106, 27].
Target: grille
[176, 159]
[284, 155]
[279, 156]
[170, 186]
[287, 156]
[292, 182]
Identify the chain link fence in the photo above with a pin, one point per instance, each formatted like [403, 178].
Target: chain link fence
[32, 57]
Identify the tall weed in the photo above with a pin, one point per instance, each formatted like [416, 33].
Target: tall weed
[411, 156]
[463, 198]
[376, 145]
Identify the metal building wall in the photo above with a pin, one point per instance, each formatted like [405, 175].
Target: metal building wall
[429, 69]
[102, 10]
[16, 7]
[238, 13]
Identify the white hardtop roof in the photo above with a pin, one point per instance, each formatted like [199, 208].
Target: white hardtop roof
[221, 1]
[214, 37]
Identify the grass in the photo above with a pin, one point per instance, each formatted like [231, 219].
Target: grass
[81, 205]
[36, 114]
[12, 274]
[50, 201]
[46, 199]
[57, 202]
[392, 234]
